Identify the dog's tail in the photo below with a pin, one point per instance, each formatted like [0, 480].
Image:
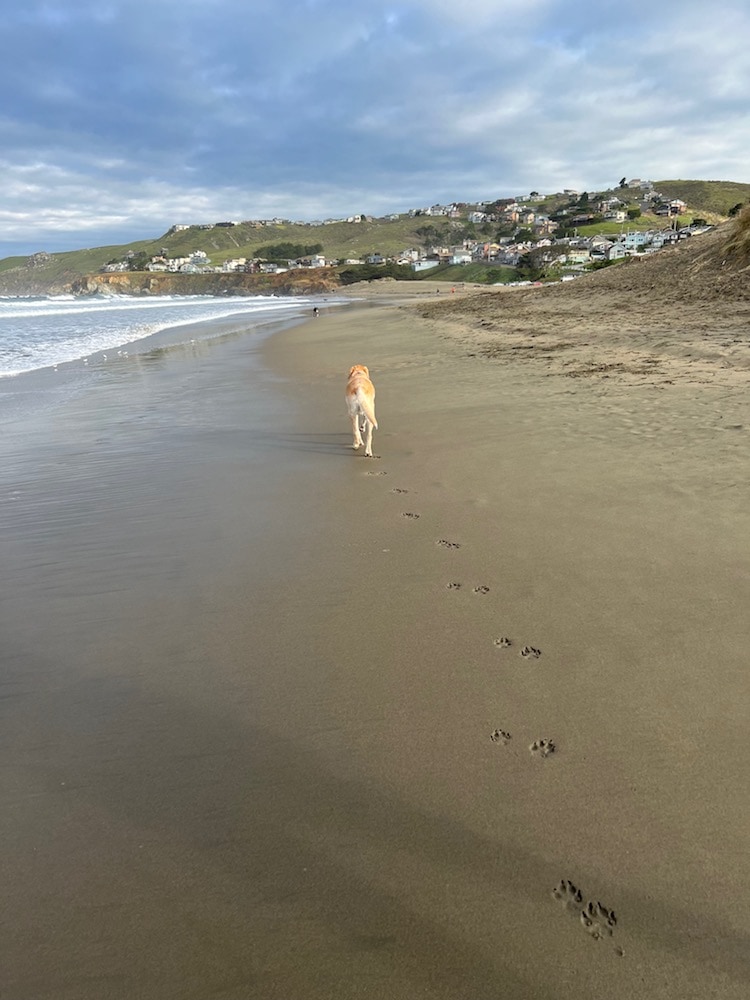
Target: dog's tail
[366, 405]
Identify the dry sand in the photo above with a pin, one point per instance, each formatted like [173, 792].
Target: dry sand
[269, 730]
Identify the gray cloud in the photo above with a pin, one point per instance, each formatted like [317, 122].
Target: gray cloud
[121, 119]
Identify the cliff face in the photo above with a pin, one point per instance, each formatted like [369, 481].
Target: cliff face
[302, 282]
[46, 280]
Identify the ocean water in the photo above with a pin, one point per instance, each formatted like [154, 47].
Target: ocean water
[43, 332]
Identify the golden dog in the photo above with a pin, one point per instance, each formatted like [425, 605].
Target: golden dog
[360, 399]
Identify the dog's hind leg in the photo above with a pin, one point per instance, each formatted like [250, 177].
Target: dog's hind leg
[368, 439]
[355, 428]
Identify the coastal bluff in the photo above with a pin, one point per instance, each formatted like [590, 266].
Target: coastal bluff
[308, 282]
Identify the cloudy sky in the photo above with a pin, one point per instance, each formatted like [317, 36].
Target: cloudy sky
[122, 117]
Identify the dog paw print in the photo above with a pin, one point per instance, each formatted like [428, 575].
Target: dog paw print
[411, 514]
[531, 653]
[597, 920]
[500, 736]
[376, 472]
[444, 543]
[502, 642]
[453, 585]
[397, 489]
[482, 590]
[542, 748]
[569, 895]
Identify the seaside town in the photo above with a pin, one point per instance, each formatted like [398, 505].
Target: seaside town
[500, 232]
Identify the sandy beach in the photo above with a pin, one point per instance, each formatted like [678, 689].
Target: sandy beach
[464, 720]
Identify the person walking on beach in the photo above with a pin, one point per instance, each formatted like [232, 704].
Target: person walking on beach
[316, 311]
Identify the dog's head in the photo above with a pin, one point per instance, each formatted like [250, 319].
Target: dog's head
[359, 370]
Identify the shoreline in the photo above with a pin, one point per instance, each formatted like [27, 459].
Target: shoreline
[177, 332]
[251, 714]
[24, 393]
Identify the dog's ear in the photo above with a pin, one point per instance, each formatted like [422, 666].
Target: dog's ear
[365, 370]
[352, 370]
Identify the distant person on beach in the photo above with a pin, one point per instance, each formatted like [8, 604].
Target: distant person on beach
[316, 311]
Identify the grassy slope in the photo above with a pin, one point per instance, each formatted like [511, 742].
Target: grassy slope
[645, 221]
[342, 240]
[467, 272]
[706, 196]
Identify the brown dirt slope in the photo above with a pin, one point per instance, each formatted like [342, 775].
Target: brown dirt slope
[680, 313]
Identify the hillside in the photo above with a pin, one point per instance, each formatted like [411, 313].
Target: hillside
[712, 197]
[56, 273]
[339, 240]
[680, 313]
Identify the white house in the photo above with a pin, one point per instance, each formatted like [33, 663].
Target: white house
[616, 252]
[234, 265]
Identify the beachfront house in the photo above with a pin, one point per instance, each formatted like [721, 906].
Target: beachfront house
[315, 260]
[410, 254]
[199, 258]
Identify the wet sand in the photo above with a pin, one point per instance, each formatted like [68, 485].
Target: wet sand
[276, 718]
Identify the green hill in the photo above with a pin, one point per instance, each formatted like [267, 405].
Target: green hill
[714, 197]
[342, 240]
